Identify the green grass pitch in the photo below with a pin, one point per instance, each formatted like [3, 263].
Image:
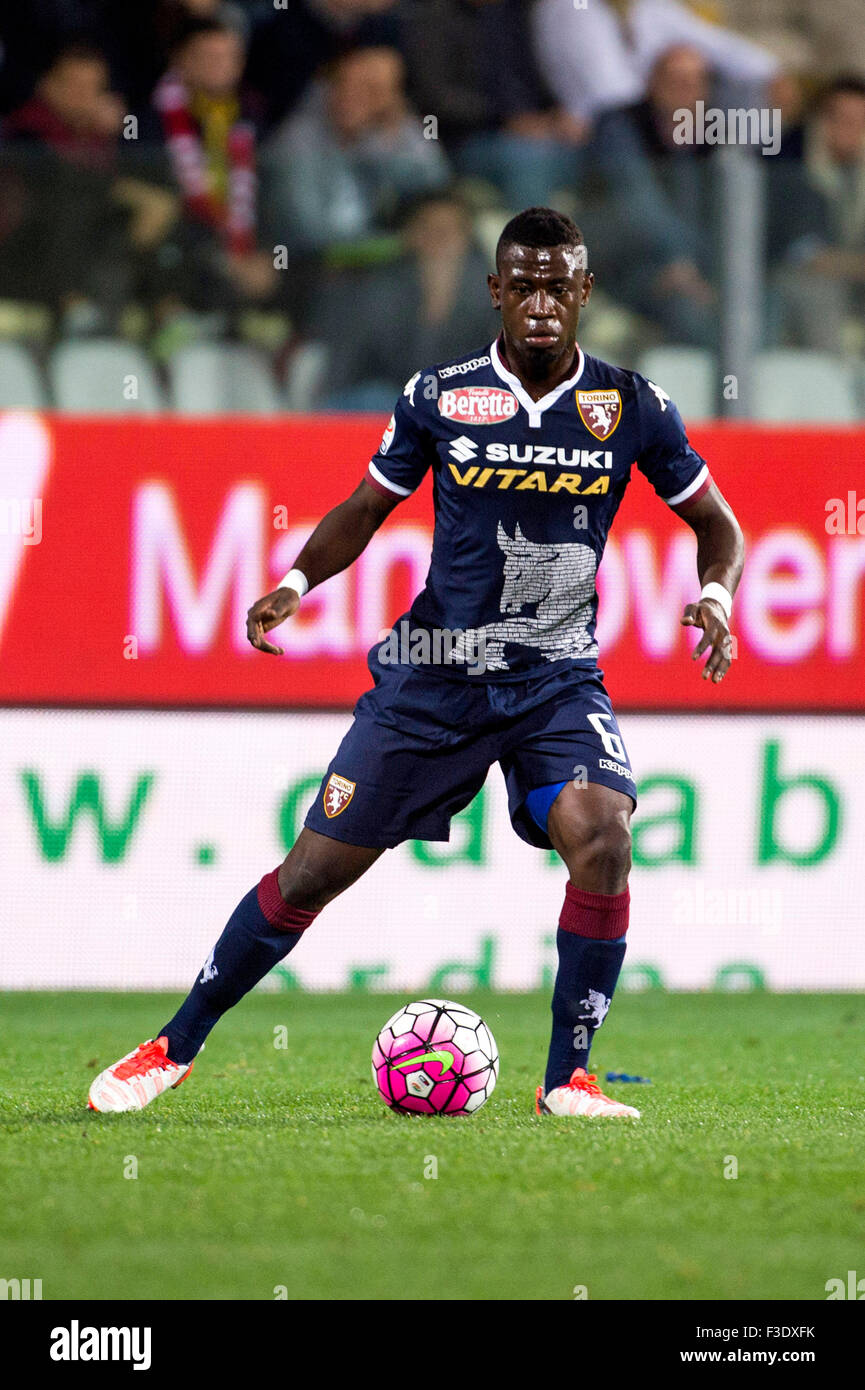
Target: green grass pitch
[281, 1169]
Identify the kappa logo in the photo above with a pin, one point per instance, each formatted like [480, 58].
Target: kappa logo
[409, 388]
[337, 795]
[478, 405]
[462, 368]
[600, 411]
[610, 765]
[663, 398]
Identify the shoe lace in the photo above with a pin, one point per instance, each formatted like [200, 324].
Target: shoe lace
[148, 1057]
[587, 1082]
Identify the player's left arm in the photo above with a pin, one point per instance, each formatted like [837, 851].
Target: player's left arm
[680, 476]
[720, 557]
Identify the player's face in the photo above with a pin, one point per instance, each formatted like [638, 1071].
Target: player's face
[540, 292]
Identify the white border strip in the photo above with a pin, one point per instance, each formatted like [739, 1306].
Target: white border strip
[386, 482]
[692, 487]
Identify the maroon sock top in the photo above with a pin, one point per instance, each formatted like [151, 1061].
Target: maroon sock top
[278, 912]
[603, 916]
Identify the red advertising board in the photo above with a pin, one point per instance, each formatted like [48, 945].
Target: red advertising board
[130, 551]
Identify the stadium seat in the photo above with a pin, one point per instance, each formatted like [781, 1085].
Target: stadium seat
[792, 384]
[305, 376]
[104, 376]
[21, 385]
[222, 379]
[688, 374]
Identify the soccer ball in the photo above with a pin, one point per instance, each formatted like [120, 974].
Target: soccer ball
[435, 1057]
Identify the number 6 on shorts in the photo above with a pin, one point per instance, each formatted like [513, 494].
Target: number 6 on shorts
[612, 742]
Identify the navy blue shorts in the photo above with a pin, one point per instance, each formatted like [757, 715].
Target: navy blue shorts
[421, 745]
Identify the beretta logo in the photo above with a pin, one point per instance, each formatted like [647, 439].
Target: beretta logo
[478, 405]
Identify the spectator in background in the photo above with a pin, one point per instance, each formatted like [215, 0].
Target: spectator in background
[32, 34]
[73, 111]
[337, 170]
[289, 46]
[176, 13]
[433, 300]
[817, 223]
[470, 65]
[210, 146]
[599, 57]
[64, 235]
[829, 37]
[139, 38]
[213, 263]
[171, 19]
[661, 200]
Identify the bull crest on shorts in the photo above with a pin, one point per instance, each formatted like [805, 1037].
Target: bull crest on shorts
[600, 411]
[337, 794]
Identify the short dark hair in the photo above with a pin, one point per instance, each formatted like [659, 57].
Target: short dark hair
[849, 84]
[538, 227]
[76, 52]
[196, 27]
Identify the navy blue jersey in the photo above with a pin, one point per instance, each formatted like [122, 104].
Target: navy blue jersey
[525, 493]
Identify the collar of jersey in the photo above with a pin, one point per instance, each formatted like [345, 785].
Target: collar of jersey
[534, 409]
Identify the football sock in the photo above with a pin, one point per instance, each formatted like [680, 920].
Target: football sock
[260, 932]
[591, 946]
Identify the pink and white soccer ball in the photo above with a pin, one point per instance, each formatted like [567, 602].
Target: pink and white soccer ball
[435, 1057]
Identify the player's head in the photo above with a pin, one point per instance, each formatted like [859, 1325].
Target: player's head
[541, 283]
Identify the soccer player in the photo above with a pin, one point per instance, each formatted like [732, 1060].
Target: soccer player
[531, 444]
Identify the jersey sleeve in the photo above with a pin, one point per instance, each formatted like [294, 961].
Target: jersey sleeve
[406, 450]
[676, 471]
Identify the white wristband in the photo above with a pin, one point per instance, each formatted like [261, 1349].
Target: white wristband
[295, 579]
[720, 595]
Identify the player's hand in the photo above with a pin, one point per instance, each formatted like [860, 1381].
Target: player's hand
[269, 612]
[710, 616]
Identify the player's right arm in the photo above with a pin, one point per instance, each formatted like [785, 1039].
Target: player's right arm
[337, 541]
[341, 536]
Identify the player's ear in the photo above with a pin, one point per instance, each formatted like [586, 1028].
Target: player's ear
[588, 285]
[495, 285]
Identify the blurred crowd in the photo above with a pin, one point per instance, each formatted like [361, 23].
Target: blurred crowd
[336, 171]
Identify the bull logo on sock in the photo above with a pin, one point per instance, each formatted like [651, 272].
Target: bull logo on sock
[209, 970]
[337, 795]
[596, 1006]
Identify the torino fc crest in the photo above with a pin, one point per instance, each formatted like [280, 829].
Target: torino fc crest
[337, 794]
[600, 411]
